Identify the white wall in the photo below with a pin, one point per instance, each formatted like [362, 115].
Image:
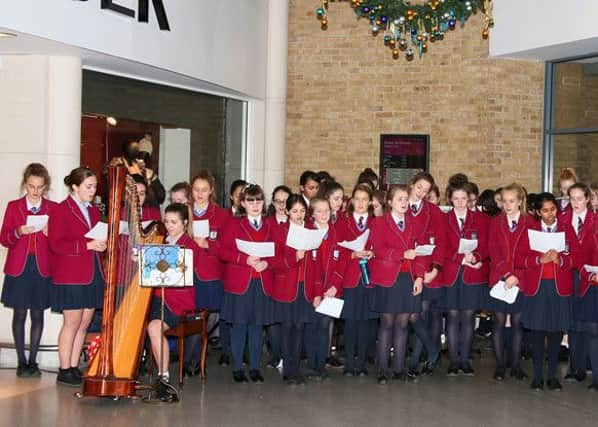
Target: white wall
[175, 150]
[222, 42]
[544, 29]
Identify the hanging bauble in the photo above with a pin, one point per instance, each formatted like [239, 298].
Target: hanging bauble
[383, 19]
[320, 12]
[365, 9]
[452, 24]
[395, 53]
[386, 39]
[485, 33]
[410, 54]
[392, 43]
[402, 44]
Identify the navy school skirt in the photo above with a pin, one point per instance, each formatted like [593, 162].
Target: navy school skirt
[29, 290]
[397, 298]
[547, 311]
[253, 307]
[75, 297]
[300, 310]
[587, 309]
[358, 303]
[460, 296]
[436, 297]
[497, 306]
[208, 294]
[171, 319]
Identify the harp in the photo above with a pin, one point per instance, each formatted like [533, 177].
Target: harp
[113, 371]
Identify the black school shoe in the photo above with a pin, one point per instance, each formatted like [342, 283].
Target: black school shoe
[575, 376]
[400, 376]
[554, 385]
[499, 374]
[453, 370]
[467, 369]
[23, 371]
[537, 385]
[34, 371]
[68, 377]
[334, 362]
[224, 360]
[382, 378]
[239, 377]
[256, 376]
[519, 374]
[165, 391]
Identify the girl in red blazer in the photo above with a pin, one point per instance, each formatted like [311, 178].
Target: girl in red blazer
[148, 213]
[296, 290]
[586, 313]
[465, 276]
[581, 218]
[356, 289]
[548, 287]
[398, 276]
[507, 229]
[177, 301]
[247, 283]
[326, 258]
[76, 269]
[429, 223]
[209, 289]
[334, 193]
[27, 269]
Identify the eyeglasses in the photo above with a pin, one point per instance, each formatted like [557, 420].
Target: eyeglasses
[280, 202]
[253, 199]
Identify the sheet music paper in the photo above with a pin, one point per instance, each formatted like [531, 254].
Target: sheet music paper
[358, 244]
[467, 246]
[543, 242]
[258, 249]
[500, 292]
[38, 222]
[98, 232]
[331, 306]
[424, 250]
[591, 269]
[201, 228]
[304, 239]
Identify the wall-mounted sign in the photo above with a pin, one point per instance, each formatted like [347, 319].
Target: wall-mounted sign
[142, 11]
[401, 157]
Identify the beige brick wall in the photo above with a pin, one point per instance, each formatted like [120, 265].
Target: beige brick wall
[484, 116]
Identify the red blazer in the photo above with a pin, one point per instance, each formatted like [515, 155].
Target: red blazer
[430, 222]
[72, 262]
[588, 226]
[589, 256]
[210, 265]
[237, 274]
[529, 261]
[348, 268]
[18, 247]
[286, 271]
[181, 300]
[330, 266]
[475, 222]
[150, 213]
[389, 245]
[503, 245]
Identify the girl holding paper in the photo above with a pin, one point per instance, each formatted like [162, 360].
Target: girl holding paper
[248, 282]
[357, 289]
[465, 275]
[582, 221]
[76, 269]
[296, 291]
[548, 287]
[586, 313]
[27, 269]
[209, 290]
[507, 229]
[398, 276]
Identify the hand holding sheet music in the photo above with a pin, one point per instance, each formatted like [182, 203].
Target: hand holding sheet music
[331, 306]
[98, 232]
[38, 222]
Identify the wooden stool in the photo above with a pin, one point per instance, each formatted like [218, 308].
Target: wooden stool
[191, 323]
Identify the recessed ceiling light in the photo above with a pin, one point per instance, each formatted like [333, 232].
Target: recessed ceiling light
[4, 35]
[111, 121]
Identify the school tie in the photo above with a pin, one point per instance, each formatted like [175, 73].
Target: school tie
[579, 225]
[360, 224]
[333, 217]
[256, 225]
[461, 225]
[414, 209]
[198, 213]
[401, 225]
[35, 209]
[513, 225]
[549, 229]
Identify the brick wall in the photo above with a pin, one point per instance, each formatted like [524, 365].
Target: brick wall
[484, 116]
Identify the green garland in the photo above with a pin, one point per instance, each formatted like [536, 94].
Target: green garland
[409, 27]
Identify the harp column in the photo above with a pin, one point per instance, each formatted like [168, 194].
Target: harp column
[276, 94]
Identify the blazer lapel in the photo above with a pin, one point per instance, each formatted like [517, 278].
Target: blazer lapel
[77, 212]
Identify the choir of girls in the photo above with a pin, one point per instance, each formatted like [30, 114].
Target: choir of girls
[388, 288]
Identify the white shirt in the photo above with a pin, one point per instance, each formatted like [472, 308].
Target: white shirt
[459, 218]
[396, 219]
[306, 199]
[356, 217]
[252, 219]
[552, 227]
[418, 204]
[38, 205]
[515, 218]
[575, 219]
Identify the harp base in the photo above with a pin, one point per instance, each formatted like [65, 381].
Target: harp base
[110, 387]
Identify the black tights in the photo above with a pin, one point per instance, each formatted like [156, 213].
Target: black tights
[577, 351]
[460, 335]
[432, 320]
[356, 343]
[498, 338]
[592, 347]
[18, 331]
[292, 337]
[554, 346]
[396, 326]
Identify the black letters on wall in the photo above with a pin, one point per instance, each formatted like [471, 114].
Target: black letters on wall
[143, 11]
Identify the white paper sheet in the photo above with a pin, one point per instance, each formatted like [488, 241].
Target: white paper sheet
[331, 306]
[357, 244]
[424, 250]
[258, 249]
[500, 292]
[98, 232]
[123, 228]
[304, 239]
[543, 242]
[467, 246]
[201, 228]
[38, 222]
[591, 269]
